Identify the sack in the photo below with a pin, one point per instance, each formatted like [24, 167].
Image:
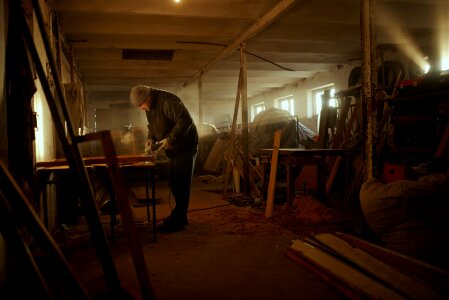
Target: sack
[409, 216]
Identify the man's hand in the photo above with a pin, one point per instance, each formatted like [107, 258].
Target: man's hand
[165, 144]
[148, 145]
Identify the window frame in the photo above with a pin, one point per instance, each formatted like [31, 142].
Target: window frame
[254, 109]
[291, 103]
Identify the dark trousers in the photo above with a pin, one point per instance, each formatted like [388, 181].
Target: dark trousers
[180, 181]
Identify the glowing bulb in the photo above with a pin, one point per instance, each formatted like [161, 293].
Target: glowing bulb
[177, 1]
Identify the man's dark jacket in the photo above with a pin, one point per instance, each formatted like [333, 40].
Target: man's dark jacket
[169, 118]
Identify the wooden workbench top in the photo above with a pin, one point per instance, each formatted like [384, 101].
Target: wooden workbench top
[98, 160]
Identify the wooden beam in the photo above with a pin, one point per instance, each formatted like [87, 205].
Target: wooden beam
[260, 24]
[244, 95]
[367, 84]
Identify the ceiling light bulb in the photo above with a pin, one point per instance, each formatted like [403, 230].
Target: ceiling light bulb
[177, 1]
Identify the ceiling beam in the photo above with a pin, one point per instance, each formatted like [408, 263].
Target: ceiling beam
[260, 24]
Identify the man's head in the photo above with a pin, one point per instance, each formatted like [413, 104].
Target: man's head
[139, 97]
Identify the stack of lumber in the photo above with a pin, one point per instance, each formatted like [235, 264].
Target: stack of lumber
[363, 270]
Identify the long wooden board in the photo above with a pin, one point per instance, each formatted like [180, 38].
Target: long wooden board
[273, 170]
[433, 276]
[322, 274]
[386, 273]
[344, 272]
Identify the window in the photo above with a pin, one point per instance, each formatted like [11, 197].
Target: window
[286, 103]
[317, 95]
[257, 108]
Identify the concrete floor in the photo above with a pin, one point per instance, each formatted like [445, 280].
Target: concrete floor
[226, 252]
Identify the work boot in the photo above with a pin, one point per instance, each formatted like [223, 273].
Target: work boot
[170, 226]
[170, 219]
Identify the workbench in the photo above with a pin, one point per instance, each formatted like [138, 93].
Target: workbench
[294, 159]
[141, 164]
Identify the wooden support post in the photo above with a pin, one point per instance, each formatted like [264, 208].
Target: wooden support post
[273, 170]
[229, 163]
[368, 63]
[245, 158]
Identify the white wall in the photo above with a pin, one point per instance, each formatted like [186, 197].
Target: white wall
[301, 90]
[45, 142]
[214, 112]
[189, 96]
[220, 113]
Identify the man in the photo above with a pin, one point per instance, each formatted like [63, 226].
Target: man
[171, 126]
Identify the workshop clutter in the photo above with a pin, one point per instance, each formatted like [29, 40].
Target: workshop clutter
[410, 216]
[361, 270]
[293, 133]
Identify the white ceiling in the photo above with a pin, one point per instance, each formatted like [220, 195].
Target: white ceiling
[308, 37]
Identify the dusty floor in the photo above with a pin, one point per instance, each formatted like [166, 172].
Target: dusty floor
[227, 251]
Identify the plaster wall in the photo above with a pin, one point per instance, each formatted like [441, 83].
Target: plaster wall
[302, 90]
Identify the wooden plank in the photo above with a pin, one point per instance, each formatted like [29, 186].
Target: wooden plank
[16, 207]
[71, 150]
[129, 225]
[323, 275]
[273, 170]
[323, 134]
[390, 276]
[340, 131]
[95, 160]
[214, 159]
[344, 272]
[341, 140]
[434, 277]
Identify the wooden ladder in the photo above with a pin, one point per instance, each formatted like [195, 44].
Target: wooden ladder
[69, 142]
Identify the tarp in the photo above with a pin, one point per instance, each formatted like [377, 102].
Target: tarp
[293, 133]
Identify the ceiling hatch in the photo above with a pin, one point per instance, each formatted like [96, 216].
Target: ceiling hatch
[147, 54]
